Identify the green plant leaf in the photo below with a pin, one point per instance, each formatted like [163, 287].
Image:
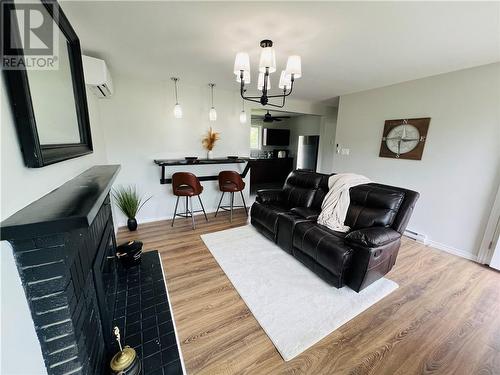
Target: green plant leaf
[129, 201]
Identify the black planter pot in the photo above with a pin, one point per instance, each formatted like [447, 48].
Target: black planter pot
[132, 224]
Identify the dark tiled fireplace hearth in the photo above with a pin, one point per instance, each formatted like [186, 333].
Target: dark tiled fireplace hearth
[64, 248]
[143, 314]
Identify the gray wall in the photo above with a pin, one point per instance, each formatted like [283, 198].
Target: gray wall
[459, 172]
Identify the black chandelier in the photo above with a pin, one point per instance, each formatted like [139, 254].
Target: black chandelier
[267, 66]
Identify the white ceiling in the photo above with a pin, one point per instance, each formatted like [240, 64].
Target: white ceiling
[345, 46]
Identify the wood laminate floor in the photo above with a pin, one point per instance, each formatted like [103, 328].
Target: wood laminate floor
[443, 319]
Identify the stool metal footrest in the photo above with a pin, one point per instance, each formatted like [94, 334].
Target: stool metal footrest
[231, 206]
[189, 213]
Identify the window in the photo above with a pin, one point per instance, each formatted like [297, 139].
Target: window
[255, 137]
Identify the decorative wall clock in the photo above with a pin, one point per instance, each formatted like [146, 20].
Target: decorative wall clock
[404, 138]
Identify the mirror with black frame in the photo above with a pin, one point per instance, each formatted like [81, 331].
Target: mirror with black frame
[45, 83]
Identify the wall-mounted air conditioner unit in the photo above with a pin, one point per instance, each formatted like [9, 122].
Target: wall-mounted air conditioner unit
[97, 76]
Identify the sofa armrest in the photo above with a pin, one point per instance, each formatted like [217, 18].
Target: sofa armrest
[373, 237]
[269, 195]
[306, 213]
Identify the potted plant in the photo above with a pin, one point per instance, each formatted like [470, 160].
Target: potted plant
[209, 141]
[129, 201]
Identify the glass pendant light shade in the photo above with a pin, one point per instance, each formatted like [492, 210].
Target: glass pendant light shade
[241, 62]
[260, 82]
[212, 114]
[285, 80]
[294, 66]
[177, 111]
[246, 77]
[177, 107]
[267, 60]
[243, 117]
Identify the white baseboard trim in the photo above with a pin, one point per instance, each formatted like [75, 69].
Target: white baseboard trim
[145, 221]
[423, 239]
[452, 250]
[159, 218]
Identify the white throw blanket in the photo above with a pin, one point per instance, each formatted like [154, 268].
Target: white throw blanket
[337, 200]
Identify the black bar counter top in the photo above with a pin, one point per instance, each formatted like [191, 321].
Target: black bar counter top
[172, 162]
[164, 163]
[274, 166]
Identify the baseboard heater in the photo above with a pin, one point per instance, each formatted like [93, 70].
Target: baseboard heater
[419, 237]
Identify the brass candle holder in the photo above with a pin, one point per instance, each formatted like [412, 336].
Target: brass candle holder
[126, 361]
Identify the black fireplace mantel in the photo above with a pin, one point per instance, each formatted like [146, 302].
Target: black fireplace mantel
[71, 206]
[64, 248]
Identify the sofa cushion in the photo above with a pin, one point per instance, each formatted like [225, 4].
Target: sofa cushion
[321, 192]
[300, 188]
[267, 214]
[306, 213]
[285, 227]
[271, 196]
[325, 246]
[373, 205]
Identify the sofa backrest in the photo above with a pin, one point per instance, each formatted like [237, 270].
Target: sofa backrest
[322, 190]
[371, 204]
[300, 187]
[380, 206]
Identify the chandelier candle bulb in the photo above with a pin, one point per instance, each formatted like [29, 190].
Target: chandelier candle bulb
[285, 80]
[246, 77]
[260, 83]
[241, 62]
[294, 66]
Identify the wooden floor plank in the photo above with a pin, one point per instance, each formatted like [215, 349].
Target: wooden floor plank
[443, 319]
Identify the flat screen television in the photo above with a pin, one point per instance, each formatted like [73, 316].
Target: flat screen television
[276, 137]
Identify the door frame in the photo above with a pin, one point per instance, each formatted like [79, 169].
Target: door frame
[491, 234]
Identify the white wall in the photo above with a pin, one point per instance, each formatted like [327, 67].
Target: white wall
[19, 187]
[139, 126]
[459, 172]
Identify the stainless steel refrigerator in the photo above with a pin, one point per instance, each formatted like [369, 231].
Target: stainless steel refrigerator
[307, 152]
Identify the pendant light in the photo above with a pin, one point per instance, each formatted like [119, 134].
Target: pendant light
[243, 114]
[212, 114]
[177, 107]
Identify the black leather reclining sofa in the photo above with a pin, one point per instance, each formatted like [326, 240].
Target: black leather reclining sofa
[377, 215]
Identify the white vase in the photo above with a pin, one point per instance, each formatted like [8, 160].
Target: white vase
[210, 154]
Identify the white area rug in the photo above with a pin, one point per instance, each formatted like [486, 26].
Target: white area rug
[294, 306]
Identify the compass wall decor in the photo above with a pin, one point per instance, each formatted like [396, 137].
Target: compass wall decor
[404, 138]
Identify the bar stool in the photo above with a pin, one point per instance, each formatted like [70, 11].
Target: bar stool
[185, 184]
[231, 182]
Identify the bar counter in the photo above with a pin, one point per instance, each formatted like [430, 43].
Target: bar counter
[164, 163]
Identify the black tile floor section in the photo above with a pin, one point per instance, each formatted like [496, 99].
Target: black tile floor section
[143, 316]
